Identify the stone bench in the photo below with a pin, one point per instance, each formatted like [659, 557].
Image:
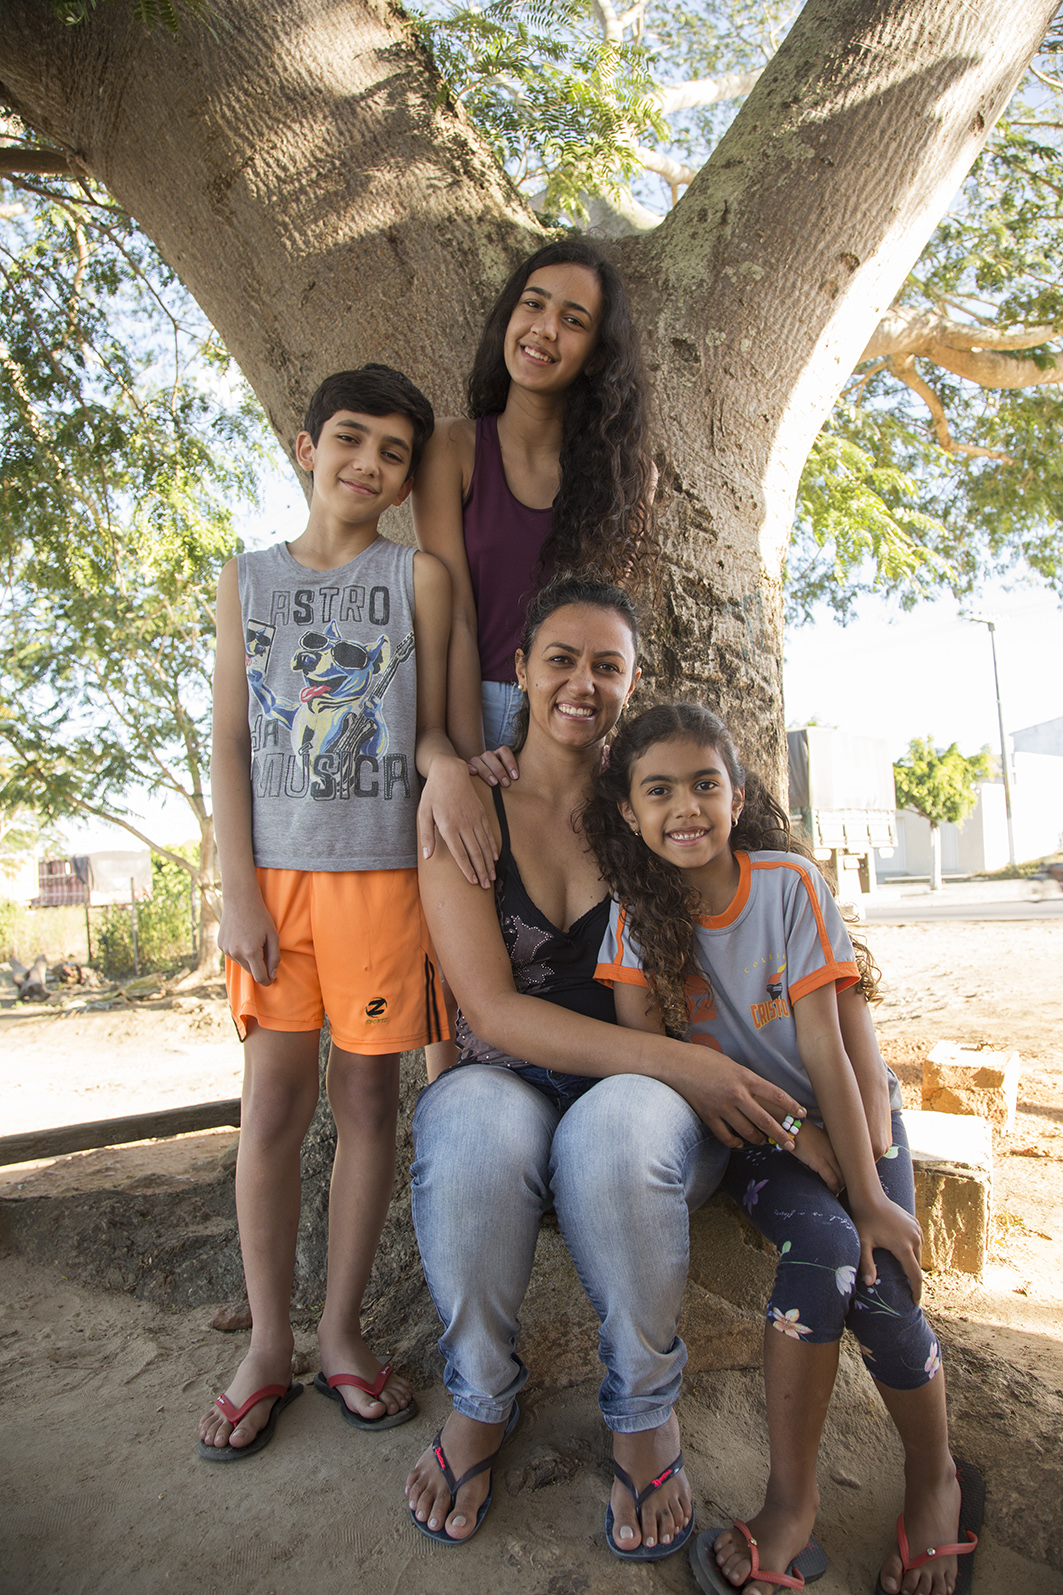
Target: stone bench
[979, 1080]
[952, 1155]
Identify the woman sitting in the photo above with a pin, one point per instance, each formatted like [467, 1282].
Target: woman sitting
[551, 1104]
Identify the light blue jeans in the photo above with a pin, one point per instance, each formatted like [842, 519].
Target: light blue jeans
[501, 703]
[623, 1167]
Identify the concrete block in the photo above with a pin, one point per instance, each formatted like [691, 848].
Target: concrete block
[959, 1079]
[952, 1156]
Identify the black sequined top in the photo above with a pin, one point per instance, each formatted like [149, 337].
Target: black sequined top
[557, 965]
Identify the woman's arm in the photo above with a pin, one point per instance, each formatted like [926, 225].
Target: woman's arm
[438, 491]
[247, 931]
[879, 1221]
[734, 1103]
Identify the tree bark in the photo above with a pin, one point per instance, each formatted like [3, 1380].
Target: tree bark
[299, 169]
[935, 856]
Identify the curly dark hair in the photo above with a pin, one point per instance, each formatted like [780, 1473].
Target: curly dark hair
[661, 905]
[564, 590]
[603, 512]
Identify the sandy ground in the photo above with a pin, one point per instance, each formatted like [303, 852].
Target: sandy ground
[100, 1488]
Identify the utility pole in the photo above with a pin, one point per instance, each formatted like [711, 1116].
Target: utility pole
[980, 620]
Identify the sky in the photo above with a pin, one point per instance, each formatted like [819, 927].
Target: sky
[930, 672]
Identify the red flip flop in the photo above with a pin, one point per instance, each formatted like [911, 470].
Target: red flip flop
[390, 1420]
[284, 1394]
[972, 1506]
[806, 1567]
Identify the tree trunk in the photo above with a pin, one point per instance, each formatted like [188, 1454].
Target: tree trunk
[300, 172]
[935, 856]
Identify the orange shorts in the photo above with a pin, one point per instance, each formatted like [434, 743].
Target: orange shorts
[353, 944]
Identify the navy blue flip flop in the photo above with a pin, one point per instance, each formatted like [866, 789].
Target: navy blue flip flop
[441, 1536]
[811, 1564]
[643, 1553]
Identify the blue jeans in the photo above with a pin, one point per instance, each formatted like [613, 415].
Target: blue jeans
[501, 703]
[623, 1166]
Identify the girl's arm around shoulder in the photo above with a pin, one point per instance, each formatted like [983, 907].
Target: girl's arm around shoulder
[443, 479]
[448, 805]
[247, 934]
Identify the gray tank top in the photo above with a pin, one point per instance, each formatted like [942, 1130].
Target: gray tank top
[332, 708]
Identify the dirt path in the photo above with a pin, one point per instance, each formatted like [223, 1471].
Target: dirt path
[100, 1392]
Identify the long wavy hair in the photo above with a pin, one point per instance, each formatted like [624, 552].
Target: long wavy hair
[603, 512]
[557, 594]
[661, 904]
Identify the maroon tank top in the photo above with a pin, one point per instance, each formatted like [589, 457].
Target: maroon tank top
[503, 542]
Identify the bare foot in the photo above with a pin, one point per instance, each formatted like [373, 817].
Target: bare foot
[665, 1513]
[262, 1366]
[464, 1442]
[348, 1353]
[780, 1534]
[931, 1515]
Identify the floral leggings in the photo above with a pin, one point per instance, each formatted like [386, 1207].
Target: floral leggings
[817, 1290]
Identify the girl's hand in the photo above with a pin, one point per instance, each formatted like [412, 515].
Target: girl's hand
[248, 936]
[812, 1148]
[497, 768]
[896, 1231]
[450, 807]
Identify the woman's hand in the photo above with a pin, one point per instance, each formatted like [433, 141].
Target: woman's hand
[497, 767]
[736, 1104]
[248, 935]
[812, 1148]
[449, 806]
[886, 1225]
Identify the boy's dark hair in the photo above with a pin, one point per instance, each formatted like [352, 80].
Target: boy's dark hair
[557, 594]
[603, 512]
[372, 390]
[661, 905]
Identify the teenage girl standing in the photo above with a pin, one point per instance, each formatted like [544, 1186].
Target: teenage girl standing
[743, 949]
[550, 472]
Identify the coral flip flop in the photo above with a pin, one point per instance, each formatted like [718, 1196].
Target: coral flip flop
[236, 1453]
[390, 1420]
[643, 1553]
[441, 1536]
[805, 1568]
[972, 1505]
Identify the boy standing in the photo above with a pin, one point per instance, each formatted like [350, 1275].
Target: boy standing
[329, 697]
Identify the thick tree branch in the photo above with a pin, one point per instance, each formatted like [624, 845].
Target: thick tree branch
[698, 92]
[904, 368]
[922, 332]
[50, 163]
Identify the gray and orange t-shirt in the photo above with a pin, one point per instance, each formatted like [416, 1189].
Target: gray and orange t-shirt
[781, 937]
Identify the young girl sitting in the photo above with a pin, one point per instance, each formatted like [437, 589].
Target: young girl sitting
[722, 933]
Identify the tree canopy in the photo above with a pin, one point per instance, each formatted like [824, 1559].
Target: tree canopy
[937, 469]
[127, 443]
[939, 783]
[315, 184]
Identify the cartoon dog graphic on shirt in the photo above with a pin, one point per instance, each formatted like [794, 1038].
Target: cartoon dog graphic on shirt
[339, 708]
